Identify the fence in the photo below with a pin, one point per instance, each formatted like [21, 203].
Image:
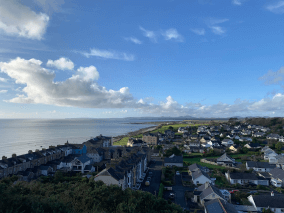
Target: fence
[213, 163]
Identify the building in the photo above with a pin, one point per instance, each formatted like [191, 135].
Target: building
[135, 142]
[259, 166]
[274, 203]
[227, 142]
[174, 160]
[226, 160]
[246, 178]
[150, 138]
[219, 206]
[200, 177]
[194, 167]
[99, 141]
[277, 177]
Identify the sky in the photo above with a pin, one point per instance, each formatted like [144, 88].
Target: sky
[125, 58]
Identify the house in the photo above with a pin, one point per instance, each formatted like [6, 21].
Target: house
[182, 130]
[226, 160]
[169, 133]
[126, 173]
[94, 154]
[99, 141]
[219, 206]
[277, 177]
[79, 163]
[246, 132]
[194, 143]
[200, 134]
[234, 148]
[151, 138]
[135, 142]
[245, 139]
[258, 134]
[194, 167]
[260, 166]
[253, 146]
[273, 136]
[273, 202]
[245, 178]
[227, 142]
[174, 160]
[207, 192]
[281, 138]
[200, 177]
[45, 170]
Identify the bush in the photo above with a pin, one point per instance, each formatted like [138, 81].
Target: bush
[161, 191]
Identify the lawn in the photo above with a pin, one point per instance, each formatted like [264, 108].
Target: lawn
[175, 127]
[121, 142]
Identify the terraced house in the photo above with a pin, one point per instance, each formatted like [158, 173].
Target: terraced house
[125, 172]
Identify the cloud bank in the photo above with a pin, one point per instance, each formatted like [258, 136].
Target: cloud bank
[81, 90]
[61, 64]
[109, 54]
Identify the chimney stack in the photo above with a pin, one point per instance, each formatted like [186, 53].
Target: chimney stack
[14, 155]
[43, 149]
[272, 193]
[37, 150]
[50, 147]
[30, 152]
[4, 157]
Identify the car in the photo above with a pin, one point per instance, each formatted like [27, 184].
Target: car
[233, 191]
[177, 173]
[172, 196]
[148, 178]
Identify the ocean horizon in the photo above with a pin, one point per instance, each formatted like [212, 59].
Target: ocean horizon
[21, 135]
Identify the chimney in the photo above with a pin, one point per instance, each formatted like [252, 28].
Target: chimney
[37, 150]
[4, 157]
[43, 149]
[206, 185]
[50, 147]
[272, 193]
[14, 155]
[30, 152]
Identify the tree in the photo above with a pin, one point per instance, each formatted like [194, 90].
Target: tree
[254, 140]
[171, 128]
[278, 146]
[267, 211]
[245, 150]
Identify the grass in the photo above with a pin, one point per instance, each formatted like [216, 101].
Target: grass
[175, 127]
[121, 142]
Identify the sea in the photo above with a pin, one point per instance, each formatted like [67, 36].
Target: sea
[21, 135]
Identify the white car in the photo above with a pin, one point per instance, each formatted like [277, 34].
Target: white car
[177, 173]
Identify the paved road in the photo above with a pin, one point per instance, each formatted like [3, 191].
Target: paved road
[156, 169]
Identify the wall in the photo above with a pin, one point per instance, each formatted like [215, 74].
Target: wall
[213, 163]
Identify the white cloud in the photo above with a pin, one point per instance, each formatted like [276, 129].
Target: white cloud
[49, 6]
[19, 20]
[276, 8]
[82, 90]
[214, 21]
[149, 34]
[109, 54]
[3, 91]
[273, 77]
[172, 34]
[218, 30]
[3, 80]
[134, 40]
[237, 2]
[198, 31]
[61, 64]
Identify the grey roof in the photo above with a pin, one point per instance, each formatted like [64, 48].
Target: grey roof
[224, 156]
[277, 173]
[194, 167]
[42, 167]
[245, 176]
[226, 140]
[260, 164]
[275, 201]
[83, 158]
[219, 206]
[175, 159]
[211, 189]
[199, 173]
[245, 208]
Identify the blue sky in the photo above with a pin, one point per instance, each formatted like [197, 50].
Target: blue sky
[141, 58]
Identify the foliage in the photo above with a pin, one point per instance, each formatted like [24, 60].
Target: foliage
[173, 150]
[278, 146]
[76, 196]
[267, 211]
[161, 191]
[122, 142]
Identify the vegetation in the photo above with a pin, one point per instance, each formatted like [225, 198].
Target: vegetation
[58, 195]
[122, 142]
[161, 191]
[174, 151]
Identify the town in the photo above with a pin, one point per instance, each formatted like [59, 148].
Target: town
[213, 166]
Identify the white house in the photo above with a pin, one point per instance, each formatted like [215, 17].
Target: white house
[227, 142]
[79, 163]
[245, 178]
[259, 166]
[274, 203]
[200, 177]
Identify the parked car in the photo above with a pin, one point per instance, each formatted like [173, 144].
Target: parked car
[233, 191]
[177, 173]
[172, 196]
[148, 178]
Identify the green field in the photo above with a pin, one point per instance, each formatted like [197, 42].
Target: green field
[175, 127]
[122, 142]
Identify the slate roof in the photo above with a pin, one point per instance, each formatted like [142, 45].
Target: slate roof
[199, 173]
[245, 176]
[83, 158]
[175, 159]
[275, 201]
[277, 173]
[254, 145]
[194, 167]
[219, 206]
[226, 140]
[223, 157]
[211, 189]
[261, 165]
